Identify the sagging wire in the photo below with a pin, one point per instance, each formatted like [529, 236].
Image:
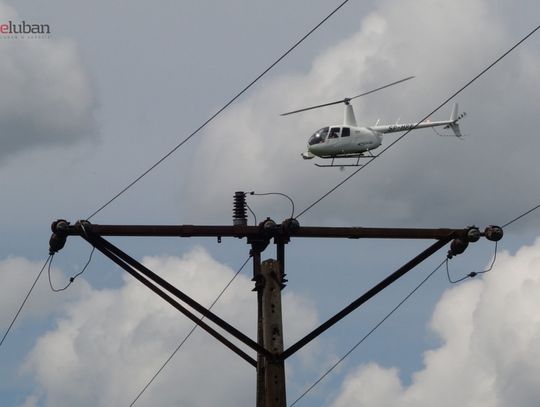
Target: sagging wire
[253, 193]
[189, 333]
[472, 274]
[71, 279]
[253, 213]
[49, 259]
[366, 335]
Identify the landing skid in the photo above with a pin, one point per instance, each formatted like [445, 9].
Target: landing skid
[357, 164]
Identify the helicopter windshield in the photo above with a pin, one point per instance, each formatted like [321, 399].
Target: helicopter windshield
[319, 136]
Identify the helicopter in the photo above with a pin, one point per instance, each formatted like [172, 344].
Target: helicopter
[348, 140]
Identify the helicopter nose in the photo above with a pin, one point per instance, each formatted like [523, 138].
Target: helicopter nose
[313, 149]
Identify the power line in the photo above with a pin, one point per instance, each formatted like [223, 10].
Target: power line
[25, 299]
[520, 216]
[366, 335]
[425, 118]
[189, 334]
[231, 101]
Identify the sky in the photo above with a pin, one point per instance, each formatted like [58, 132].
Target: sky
[116, 85]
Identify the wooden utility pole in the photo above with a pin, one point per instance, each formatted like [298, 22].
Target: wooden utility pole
[274, 365]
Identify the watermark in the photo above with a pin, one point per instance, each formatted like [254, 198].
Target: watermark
[23, 30]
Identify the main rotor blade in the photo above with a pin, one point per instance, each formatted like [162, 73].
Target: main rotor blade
[346, 100]
[382, 87]
[314, 107]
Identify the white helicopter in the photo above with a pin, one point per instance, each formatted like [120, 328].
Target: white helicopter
[349, 140]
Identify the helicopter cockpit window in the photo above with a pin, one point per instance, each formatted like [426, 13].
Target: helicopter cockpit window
[334, 132]
[345, 132]
[319, 136]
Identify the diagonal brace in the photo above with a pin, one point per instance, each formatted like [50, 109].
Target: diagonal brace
[366, 296]
[137, 270]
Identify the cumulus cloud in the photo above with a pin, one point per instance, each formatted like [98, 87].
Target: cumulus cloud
[489, 352]
[111, 342]
[46, 98]
[424, 177]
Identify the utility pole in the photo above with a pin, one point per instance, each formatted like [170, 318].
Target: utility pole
[274, 366]
[269, 278]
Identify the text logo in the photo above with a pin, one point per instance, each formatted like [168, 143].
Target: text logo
[24, 30]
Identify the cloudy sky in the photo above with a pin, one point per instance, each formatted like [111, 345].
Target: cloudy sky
[116, 85]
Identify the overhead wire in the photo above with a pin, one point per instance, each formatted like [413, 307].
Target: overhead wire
[367, 335]
[520, 216]
[189, 333]
[49, 259]
[216, 114]
[423, 119]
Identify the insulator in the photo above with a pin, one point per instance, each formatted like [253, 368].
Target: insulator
[457, 246]
[268, 225]
[290, 225]
[56, 243]
[494, 233]
[239, 209]
[473, 234]
[58, 224]
[58, 239]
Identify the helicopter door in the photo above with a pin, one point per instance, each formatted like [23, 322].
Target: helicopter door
[334, 132]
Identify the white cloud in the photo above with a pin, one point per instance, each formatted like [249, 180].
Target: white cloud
[112, 341]
[17, 276]
[424, 177]
[489, 354]
[31, 401]
[46, 94]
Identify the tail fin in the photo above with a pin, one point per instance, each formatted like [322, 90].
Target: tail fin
[349, 119]
[454, 117]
